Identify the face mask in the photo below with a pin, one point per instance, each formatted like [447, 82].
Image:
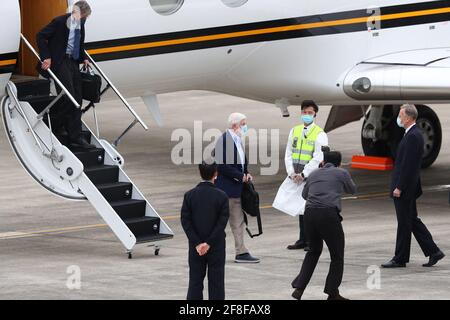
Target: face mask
[244, 130]
[399, 122]
[307, 119]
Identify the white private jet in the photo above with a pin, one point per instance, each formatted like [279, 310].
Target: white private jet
[365, 58]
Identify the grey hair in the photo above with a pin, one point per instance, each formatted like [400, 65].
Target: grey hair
[235, 118]
[410, 111]
[84, 7]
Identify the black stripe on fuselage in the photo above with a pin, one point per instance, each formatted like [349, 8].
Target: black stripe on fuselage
[10, 67]
[317, 31]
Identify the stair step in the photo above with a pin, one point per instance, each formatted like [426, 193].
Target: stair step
[32, 87]
[130, 209]
[64, 138]
[153, 238]
[91, 157]
[102, 174]
[39, 103]
[114, 192]
[144, 227]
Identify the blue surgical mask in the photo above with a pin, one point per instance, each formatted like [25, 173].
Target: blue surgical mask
[307, 119]
[399, 122]
[244, 129]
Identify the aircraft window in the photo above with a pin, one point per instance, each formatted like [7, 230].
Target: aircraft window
[166, 7]
[234, 3]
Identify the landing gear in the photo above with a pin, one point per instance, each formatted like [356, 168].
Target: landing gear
[157, 249]
[130, 255]
[381, 135]
[430, 125]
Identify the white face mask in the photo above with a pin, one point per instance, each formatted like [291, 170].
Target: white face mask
[399, 122]
[244, 130]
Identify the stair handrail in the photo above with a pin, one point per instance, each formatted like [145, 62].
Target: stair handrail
[117, 92]
[52, 75]
[12, 95]
[110, 85]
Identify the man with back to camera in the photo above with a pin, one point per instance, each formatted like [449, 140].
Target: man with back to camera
[204, 217]
[406, 188]
[323, 222]
[61, 46]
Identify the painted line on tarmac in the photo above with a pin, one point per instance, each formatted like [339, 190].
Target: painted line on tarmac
[49, 232]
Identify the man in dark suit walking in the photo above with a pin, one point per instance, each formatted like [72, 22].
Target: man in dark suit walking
[406, 188]
[61, 46]
[233, 173]
[204, 217]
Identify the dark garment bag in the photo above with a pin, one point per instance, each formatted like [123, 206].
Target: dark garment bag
[250, 206]
[92, 85]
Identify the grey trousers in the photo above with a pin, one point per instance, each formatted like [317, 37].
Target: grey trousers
[237, 225]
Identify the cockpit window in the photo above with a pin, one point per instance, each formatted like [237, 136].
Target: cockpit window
[166, 7]
[234, 3]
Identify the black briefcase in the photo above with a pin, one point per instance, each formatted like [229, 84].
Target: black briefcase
[92, 85]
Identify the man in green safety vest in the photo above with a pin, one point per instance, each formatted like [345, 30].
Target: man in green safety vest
[303, 156]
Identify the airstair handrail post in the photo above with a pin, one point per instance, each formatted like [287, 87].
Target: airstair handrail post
[18, 105]
[117, 92]
[50, 72]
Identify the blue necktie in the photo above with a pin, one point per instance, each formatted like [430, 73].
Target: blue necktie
[76, 44]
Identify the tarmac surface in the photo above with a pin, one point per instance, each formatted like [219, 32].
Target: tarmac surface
[42, 237]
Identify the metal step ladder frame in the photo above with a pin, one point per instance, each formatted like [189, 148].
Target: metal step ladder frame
[113, 157]
[44, 145]
[85, 185]
[82, 182]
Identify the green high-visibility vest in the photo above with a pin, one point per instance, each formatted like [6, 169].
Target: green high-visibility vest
[303, 147]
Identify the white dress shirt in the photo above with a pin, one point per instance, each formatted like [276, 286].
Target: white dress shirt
[239, 145]
[74, 24]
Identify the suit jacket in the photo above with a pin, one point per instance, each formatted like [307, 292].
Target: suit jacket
[52, 41]
[204, 215]
[230, 167]
[408, 163]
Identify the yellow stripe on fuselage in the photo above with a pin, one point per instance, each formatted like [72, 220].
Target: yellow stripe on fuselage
[255, 32]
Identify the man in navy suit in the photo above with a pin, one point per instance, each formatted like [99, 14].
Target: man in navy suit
[61, 46]
[233, 173]
[406, 188]
[204, 217]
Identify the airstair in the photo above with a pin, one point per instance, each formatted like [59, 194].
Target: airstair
[95, 175]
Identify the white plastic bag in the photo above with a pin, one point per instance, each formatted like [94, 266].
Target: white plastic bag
[289, 199]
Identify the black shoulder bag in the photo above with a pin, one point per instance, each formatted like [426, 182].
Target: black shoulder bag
[250, 207]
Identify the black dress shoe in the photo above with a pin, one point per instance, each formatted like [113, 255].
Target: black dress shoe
[393, 264]
[81, 143]
[297, 246]
[337, 297]
[435, 258]
[297, 294]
